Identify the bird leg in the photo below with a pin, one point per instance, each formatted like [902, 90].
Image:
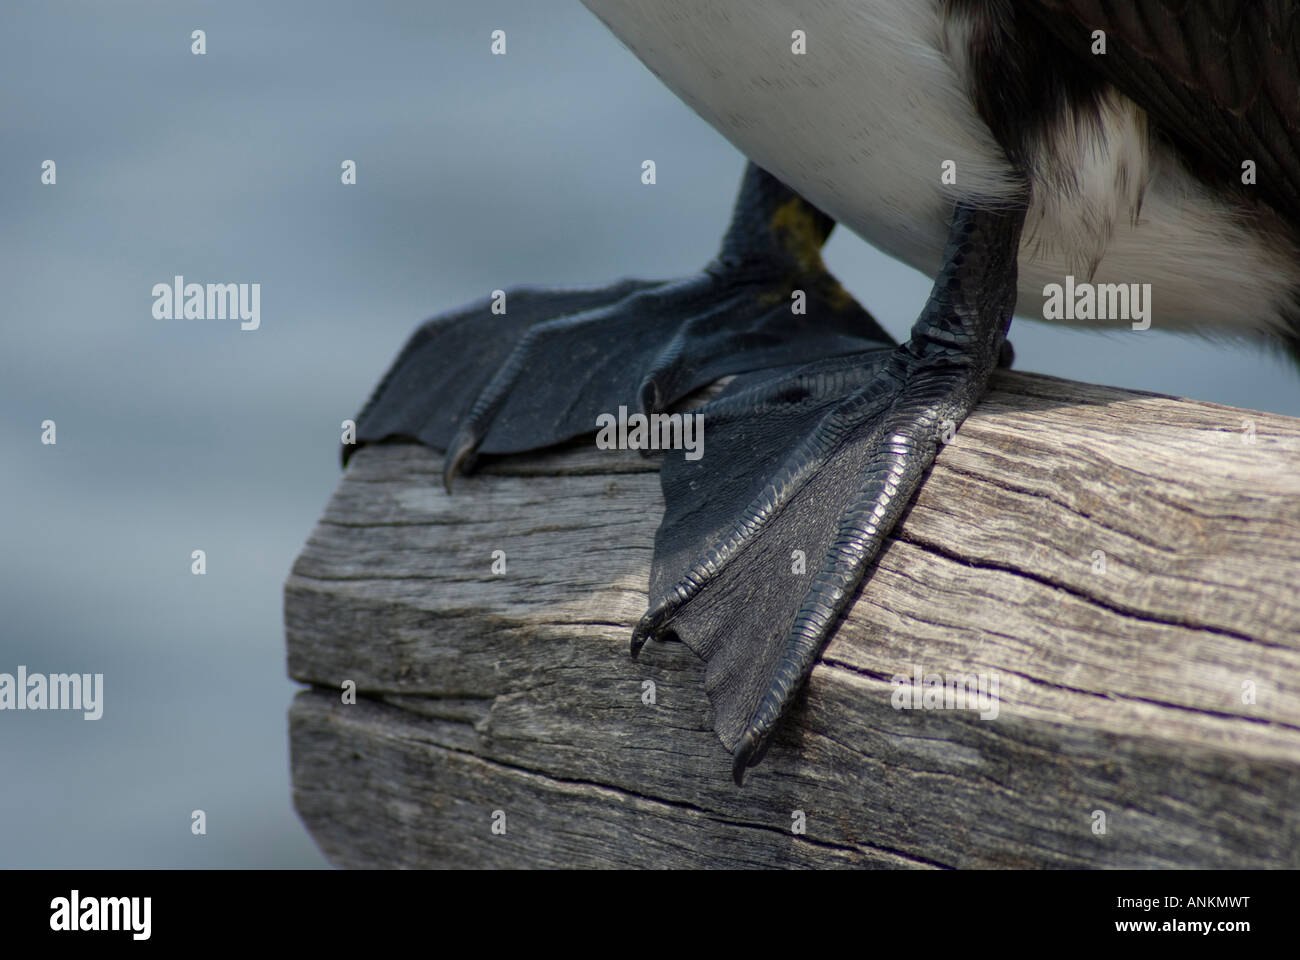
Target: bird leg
[847, 443]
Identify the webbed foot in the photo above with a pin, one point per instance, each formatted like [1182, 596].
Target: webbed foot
[817, 462]
[473, 382]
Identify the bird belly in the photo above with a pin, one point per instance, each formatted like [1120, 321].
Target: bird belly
[874, 123]
[859, 124]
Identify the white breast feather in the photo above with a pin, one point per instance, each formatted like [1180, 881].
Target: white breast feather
[862, 123]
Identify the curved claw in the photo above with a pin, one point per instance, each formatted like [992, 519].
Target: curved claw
[650, 397]
[640, 635]
[748, 753]
[744, 750]
[459, 458]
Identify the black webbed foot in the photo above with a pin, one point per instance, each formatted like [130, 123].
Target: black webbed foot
[472, 382]
[812, 453]
[817, 462]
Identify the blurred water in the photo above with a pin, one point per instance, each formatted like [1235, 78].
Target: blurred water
[474, 172]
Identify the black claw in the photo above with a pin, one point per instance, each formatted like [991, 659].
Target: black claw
[459, 458]
[646, 629]
[650, 397]
[744, 757]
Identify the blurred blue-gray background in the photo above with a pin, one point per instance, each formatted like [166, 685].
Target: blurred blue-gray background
[474, 172]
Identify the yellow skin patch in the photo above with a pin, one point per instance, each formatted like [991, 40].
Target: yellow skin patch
[796, 230]
[793, 225]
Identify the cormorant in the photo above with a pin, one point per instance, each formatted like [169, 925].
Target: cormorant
[999, 146]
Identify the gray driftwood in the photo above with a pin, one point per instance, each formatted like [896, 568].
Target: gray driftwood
[1163, 692]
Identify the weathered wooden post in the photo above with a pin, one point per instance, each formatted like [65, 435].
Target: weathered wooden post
[1124, 564]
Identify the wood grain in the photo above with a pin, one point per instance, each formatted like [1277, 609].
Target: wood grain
[1163, 692]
